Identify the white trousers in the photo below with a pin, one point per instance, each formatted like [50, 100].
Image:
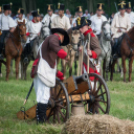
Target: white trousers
[41, 90]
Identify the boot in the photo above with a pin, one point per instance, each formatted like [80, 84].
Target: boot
[42, 108]
[37, 114]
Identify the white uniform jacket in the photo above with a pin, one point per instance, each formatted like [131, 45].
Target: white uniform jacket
[6, 22]
[131, 16]
[47, 19]
[97, 23]
[18, 20]
[33, 29]
[122, 23]
[61, 22]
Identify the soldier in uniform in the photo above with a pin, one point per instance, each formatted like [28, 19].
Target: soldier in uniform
[20, 16]
[130, 13]
[50, 50]
[94, 50]
[120, 24]
[47, 20]
[79, 13]
[7, 24]
[97, 20]
[33, 30]
[61, 20]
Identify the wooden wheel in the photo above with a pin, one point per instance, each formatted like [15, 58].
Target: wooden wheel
[99, 102]
[60, 105]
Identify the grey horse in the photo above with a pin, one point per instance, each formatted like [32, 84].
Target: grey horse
[45, 32]
[106, 48]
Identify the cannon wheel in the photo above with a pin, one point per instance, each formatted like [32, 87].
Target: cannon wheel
[99, 102]
[60, 110]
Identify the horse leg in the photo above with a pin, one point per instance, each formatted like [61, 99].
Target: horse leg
[0, 70]
[11, 66]
[8, 62]
[20, 70]
[124, 67]
[104, 62]
[130, 67]
[17, 61]
[71, 65]
[112, 69]
[107, 67]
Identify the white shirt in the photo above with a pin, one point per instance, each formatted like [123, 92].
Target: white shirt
[47, 19]
[131, 16]
[122, 23]
[18, 20]
[59, 22]
[97, 23]
[74, 22]
[87, 16]
[33, 29]
[7, 22]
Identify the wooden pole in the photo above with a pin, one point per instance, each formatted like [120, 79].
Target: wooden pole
[88, 47]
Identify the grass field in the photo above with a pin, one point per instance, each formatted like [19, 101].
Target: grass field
[13, 93]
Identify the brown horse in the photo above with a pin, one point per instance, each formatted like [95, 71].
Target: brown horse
[13, 47]
[127, 51]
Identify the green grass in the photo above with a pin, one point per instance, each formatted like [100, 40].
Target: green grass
[13, 93]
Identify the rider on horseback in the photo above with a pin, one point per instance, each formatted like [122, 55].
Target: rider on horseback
[33, 28]
[47, 20]
[120, 25]
[7, 24]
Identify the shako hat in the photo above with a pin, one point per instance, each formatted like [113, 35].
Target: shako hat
[21, 11]
[100, 6]
[79, 9]
[80, 22]
[61, 6]
[36, 13]
[128, 5]
[122, 5]
[6, 7]
[49, 7]
[63, 32]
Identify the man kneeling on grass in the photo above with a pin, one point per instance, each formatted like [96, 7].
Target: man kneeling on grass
[44, 69]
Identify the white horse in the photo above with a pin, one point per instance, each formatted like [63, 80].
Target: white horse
[45, 32]
[106, 48]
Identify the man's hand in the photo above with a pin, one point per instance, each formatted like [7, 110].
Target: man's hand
[80, 49]
[38, 34]
[119, 31]
[89, 52]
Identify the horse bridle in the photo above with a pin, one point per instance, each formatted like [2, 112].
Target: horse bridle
[21, 35]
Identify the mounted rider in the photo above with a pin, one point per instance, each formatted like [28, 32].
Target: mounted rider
[130, 13]
[7, 24]
[33, 31]
[120, 25]
[94, 50]
[21, 16]
[47, 20]
[79, 13]
[61, 20]
[97, 20]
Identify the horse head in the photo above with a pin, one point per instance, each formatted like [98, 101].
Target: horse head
[22, 30]
[106, 30]
[45, 31]
[75, 38]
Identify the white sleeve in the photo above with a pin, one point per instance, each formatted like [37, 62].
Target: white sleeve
[105, 19]
[68, 25]
[74, 22]
[44, 19]
[92, 23]
[129, 24]
[113, 28]
[12, 23]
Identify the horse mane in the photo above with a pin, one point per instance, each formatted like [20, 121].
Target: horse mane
[104, 23]
[131, 31]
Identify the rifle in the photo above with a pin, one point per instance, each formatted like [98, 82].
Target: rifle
[116, 6]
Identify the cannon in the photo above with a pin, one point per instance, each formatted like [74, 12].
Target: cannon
[95, 98]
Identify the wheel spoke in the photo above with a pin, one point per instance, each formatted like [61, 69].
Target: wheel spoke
[58, 116]
[94, 89]
[100, 100]
[49, 114]
[101, 108]
[59, 93]
[100, 95]
[58, 101]
[54, 117]
[98, 89]
[62, 114]
[59, 105]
